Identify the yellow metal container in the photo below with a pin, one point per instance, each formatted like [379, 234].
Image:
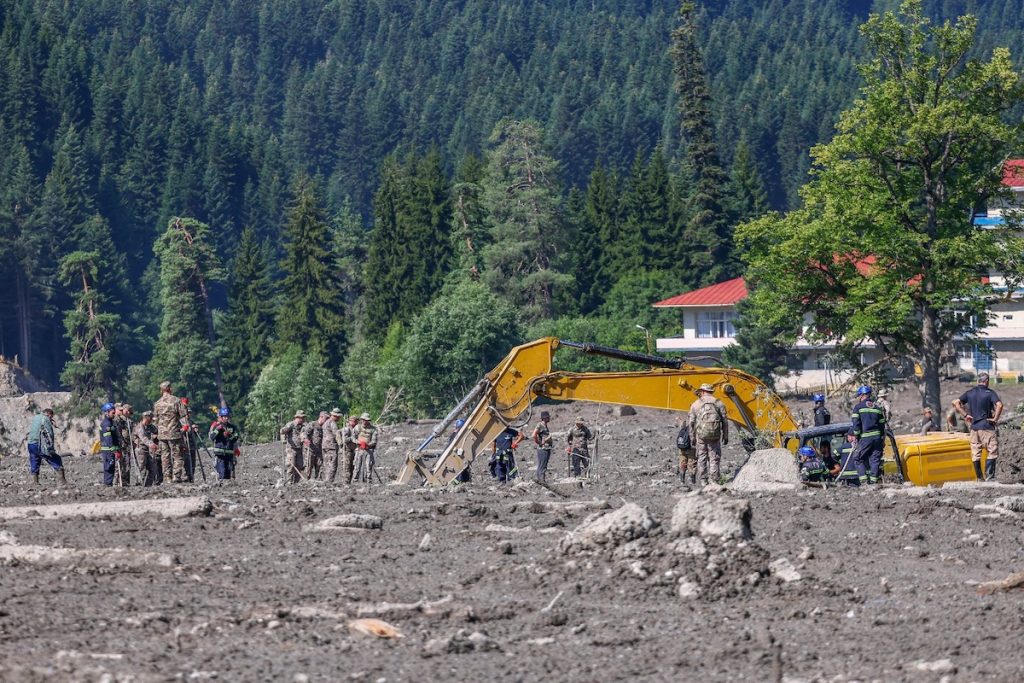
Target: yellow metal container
[934, 458]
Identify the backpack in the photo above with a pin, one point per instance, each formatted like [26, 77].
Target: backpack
[709, 423]
[683, 439]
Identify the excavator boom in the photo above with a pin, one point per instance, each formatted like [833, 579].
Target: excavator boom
[505, 396]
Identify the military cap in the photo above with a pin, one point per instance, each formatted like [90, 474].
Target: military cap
[300, 413]
[364, 416]
[336, 413]
[324, 413]
[165, 385]
[118, 406]
[127, 407]
[545, 415]
[579, 419]
[148, 413]
[883, 392]
[708, 388]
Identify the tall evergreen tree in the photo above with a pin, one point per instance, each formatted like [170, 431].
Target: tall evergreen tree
[311, 314]
[527, 227]
[387, 264]
[707, 236]
[749, 195]
[91, 370]
[248, 326]
[186, 351]
[469, 227]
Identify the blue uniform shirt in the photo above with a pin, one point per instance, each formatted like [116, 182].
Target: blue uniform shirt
[980, 403]
[868, 419]
[110, 440]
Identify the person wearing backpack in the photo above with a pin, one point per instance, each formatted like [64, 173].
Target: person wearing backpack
[687, 455]
[709, 431]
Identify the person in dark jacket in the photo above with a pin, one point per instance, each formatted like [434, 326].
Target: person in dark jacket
[111, 448]
[869, 427]
[981, 409]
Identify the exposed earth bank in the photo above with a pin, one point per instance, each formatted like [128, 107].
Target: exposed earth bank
[625, 577]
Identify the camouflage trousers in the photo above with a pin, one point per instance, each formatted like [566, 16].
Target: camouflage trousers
[350, 459]
[330, 467]
[314, 460]
[292, 464]
[150, 466]
[364, 459]
[688, 464]
[709, 456]
[172, 459]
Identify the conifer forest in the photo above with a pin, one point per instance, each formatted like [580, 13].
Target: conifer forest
[286, 203]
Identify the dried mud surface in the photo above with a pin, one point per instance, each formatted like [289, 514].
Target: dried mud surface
[886, 586]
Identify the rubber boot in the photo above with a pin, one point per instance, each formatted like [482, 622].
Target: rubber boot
[977, 469]
[990, 469]
[63, 479]
[35, 478]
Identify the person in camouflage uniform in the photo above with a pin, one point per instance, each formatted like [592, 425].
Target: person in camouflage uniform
[291, 434]
[348, 440]
[171, 428]
[365, 436]
[147, 450]
[312, 441]
[579, 438]
[331, 443]
[122, 423]
[542, 437]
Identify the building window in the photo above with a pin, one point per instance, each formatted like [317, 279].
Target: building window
[716, 325]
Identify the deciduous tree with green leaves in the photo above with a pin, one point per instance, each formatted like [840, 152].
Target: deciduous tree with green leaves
[884, 247]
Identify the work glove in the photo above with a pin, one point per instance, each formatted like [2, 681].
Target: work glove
[362, 444]
[117, 455]
[237, 452]
[186, 428]
[515, 446]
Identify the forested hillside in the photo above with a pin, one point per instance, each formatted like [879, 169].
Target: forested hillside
[347, 166]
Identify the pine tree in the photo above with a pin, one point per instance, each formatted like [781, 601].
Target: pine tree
[707, 237]
[387, 260]
[311, 314]
[750, 197]
[186, 351]
[526, 224]
[91, 371]
[248, 326]
[469, 227]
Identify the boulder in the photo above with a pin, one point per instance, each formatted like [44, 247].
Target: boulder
[610, 530]
[347, 522]
[623, 411]
[712, 516]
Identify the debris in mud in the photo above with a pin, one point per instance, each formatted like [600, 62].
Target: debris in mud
[460, 643]
[717, 515]
[163, 507]
[939, 666]
[1011, 582]
[611, 529]
[784, 570]
[347, 522]
[374, 627]
[771, 469]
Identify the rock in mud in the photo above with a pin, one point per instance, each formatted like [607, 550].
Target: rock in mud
[610, 530]
[784, 569]
[712, 516]
[771, 469]
[623, 411]
[347, 522]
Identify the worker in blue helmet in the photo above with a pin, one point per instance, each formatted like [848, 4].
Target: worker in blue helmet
[224, 436]
[869, 427]
[110, 447]
[812, 467]
[847, 470]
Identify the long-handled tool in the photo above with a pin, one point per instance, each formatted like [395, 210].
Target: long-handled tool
[200, 442]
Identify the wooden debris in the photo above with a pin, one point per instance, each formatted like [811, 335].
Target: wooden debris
[374, 627]
[1015, 580]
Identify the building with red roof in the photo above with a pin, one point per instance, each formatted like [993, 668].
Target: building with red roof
[707, 316]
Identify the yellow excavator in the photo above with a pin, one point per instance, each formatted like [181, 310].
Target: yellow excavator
[506, 395]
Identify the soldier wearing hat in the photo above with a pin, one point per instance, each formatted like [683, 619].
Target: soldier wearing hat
[332, 441]
[365, 436]
[172, 426]
[579, 438]
[542, 437]
[291, 435]
[348, 440]
[709, 431]
[147, 449]
[882, 402]
[123, 424]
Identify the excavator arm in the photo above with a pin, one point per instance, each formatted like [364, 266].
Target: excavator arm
[505, 396]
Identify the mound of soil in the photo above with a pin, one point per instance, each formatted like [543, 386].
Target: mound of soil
[14, 381]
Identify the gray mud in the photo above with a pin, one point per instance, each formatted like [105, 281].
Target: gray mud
[830, 586]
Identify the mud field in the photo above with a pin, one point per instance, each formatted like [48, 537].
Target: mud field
[496, 583]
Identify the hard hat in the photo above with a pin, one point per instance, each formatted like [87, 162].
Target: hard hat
[224, 412]
[459, 423]
[364, 416]
[818, 398]
[807, 451]
[864, 390]
[107, 407]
